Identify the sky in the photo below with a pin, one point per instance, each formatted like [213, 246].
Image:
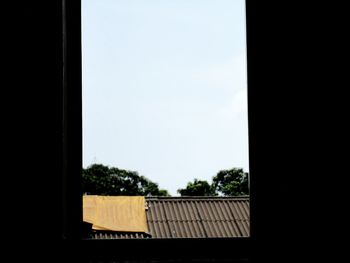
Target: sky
[165, 88]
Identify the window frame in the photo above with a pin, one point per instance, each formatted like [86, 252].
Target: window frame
[72, 224]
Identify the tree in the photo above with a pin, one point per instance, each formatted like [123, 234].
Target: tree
[197, 188]
[231, 182]
[99, 179]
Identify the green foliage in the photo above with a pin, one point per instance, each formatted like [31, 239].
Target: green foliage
[197, 188]
[231, 182]
[98, 179]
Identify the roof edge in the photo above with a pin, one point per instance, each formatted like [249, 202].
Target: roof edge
[242, 197]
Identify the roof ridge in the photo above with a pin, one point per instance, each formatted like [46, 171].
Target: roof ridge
[196, 197]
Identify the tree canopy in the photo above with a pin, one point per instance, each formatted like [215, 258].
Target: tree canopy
[232, 182]
[99, 179]
[197, 188]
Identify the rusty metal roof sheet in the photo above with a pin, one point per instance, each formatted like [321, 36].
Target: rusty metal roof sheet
[192, 217]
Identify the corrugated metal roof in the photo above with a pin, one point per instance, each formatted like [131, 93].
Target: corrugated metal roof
[192, 217]
[197, 217]
[118, 235]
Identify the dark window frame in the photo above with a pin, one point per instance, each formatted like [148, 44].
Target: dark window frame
[72, 226]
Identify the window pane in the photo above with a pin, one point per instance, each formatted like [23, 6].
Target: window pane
[165, 88]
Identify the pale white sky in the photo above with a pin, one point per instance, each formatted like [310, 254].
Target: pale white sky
[165, 87]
